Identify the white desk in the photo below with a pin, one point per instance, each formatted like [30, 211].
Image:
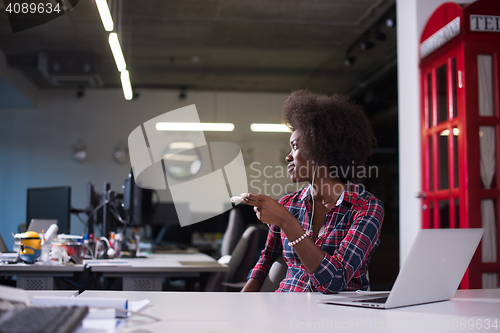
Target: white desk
[300, 312]
[146, 274]
[138, 274]
[37, 276]
[56, 293]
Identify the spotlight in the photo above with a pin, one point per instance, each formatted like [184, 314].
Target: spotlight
[367, 45]
[390, 22]
[379, 35]
[80, 92]
[349, 60]
[182, 93]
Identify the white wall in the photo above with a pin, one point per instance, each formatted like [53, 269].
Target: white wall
[412, 15]
[36, 142]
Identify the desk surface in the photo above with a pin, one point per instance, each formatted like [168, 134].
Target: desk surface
[159, 263]
[289, 312]
[38, 267]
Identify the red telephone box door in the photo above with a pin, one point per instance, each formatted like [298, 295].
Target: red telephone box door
[441, 83]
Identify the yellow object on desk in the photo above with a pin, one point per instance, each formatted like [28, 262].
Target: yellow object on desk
[31, 246]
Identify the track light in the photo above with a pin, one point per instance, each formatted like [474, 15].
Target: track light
[390, 22]
[349, 60]
[183, 93]
[367, 45]
[379, 35]
[373, 32]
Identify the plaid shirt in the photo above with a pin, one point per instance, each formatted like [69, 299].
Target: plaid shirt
[351, 234]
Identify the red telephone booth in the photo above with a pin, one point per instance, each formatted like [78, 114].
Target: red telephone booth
[460, 119]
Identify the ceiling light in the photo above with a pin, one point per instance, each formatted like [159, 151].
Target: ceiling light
[179, 157]
[278, 128]
[195, 127]
[107, 20]
[367, 45]
[379, 35]
[181, 145]
[390, 22]
[126, 86]
[349, 60]
[117, 52]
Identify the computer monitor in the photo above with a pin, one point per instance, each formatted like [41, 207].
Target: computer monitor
[93, 202]
[50, 203]
[138, 202]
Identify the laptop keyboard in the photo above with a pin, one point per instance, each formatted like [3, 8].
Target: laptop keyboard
[54, 319]
[373, 300]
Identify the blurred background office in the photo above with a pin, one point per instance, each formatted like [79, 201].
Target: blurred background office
[237, 61]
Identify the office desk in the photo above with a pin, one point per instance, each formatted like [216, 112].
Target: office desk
[52, 293]
[37, 276]
[138, 274]
[146, 274]
[299, 312]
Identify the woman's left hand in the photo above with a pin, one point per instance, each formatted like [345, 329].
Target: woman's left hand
[267, 210]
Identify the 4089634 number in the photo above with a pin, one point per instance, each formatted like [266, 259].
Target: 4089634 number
[32, 8]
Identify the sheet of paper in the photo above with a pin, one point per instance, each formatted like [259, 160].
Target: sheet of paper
[107, 262]
[138, 305]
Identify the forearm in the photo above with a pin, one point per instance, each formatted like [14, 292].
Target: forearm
[309, 253]
[251, 286]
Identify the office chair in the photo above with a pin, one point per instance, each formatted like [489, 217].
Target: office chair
[276, 274]
[235, 228]
[242, 259]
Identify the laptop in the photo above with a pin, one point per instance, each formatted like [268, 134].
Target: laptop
[432, 272]
[40, 224]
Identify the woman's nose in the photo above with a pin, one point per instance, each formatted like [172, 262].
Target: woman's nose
[289, 158]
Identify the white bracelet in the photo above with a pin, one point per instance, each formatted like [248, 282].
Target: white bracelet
[297, 240]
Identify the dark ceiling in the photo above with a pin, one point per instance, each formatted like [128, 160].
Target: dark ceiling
[220, 45]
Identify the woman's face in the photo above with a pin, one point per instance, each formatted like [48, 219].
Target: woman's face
[299, 169]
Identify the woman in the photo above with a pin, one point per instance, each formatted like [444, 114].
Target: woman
[327, 232]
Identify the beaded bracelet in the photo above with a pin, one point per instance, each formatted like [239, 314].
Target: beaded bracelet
[297, 240]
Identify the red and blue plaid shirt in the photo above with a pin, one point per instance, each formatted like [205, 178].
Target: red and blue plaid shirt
[351, 235]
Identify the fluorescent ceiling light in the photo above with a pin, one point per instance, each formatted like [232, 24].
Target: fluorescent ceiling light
[126, 86]
[117, 52]
[182, 158]
[181, 145]
[195, 127]
[270, 128]
[107, 20]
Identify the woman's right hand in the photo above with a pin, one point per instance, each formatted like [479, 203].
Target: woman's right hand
[252, 285]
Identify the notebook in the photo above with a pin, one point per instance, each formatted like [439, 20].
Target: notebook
[432, 271]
